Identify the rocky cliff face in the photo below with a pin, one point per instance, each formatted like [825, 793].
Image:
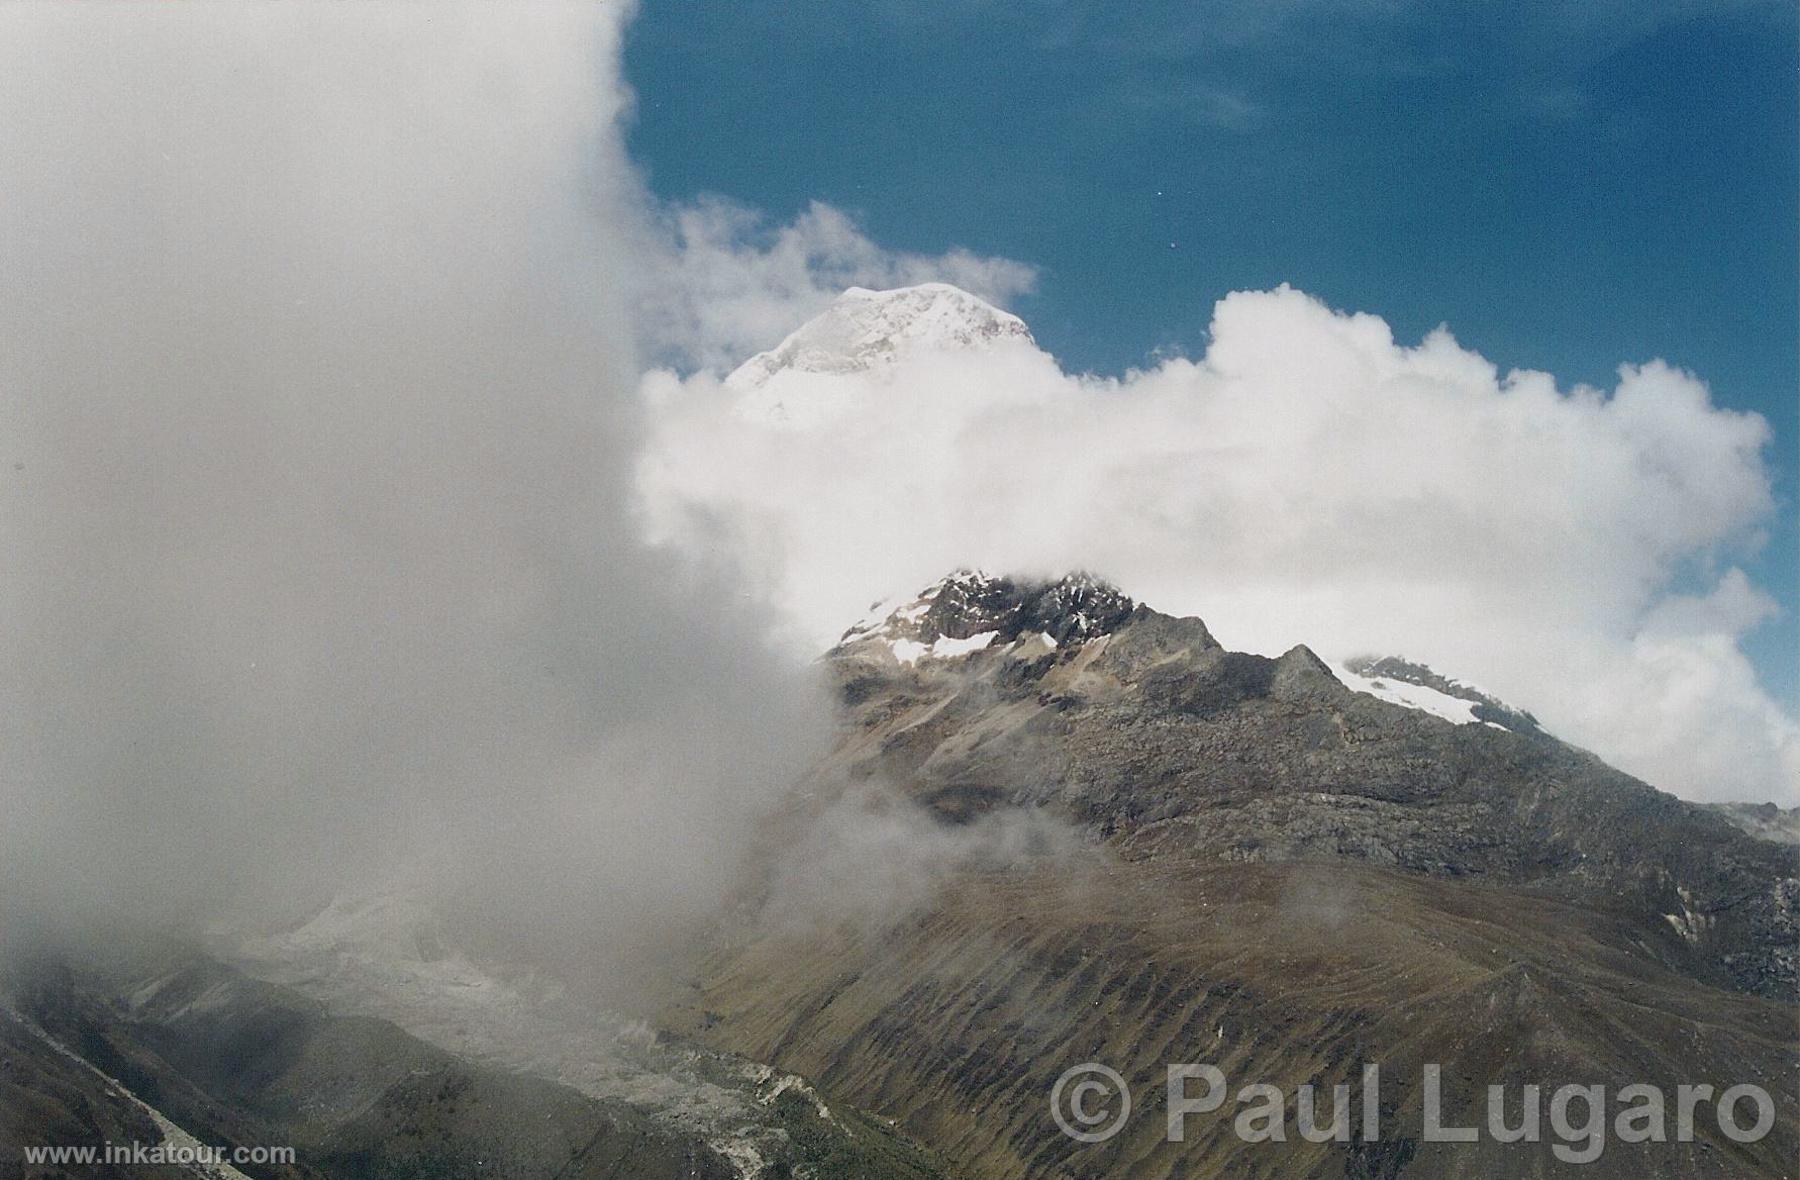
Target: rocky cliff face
[1280, 871]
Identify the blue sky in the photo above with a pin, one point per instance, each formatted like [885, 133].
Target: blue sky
[1568, 186]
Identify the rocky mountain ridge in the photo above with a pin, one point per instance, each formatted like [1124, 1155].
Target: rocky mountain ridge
[1280, 873]
[1142, 725]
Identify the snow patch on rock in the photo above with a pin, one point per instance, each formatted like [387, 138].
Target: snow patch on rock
[911, 651]
[1413, 696]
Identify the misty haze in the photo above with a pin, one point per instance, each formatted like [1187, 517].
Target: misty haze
[820, 591]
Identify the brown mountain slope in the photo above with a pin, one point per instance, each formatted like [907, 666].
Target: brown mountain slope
[1285, 878]
[958, 1023]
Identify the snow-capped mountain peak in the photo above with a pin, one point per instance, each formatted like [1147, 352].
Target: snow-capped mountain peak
[864, 328]
[970, 610]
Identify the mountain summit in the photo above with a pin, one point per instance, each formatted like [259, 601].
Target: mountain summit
[971, 610]
[863, 329]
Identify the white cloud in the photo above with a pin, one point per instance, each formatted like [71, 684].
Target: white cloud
[722, 282]
[1308, 480]
[318, 413]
